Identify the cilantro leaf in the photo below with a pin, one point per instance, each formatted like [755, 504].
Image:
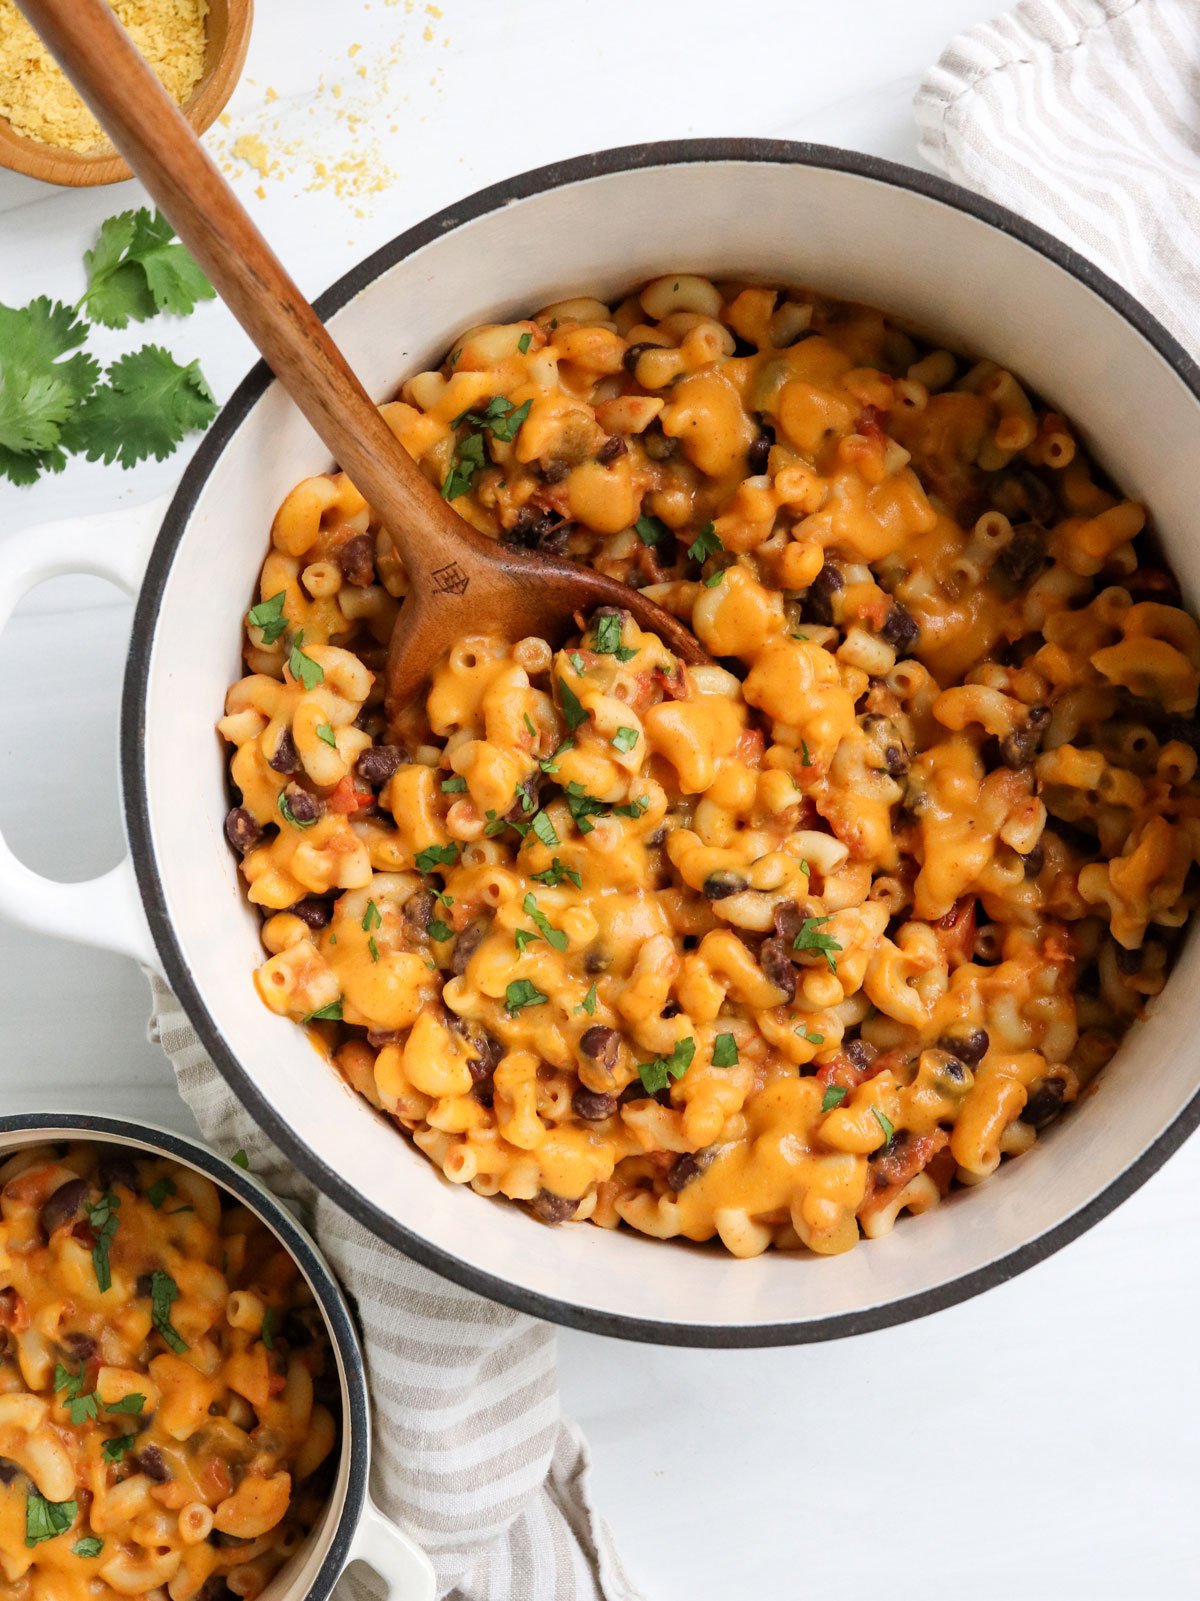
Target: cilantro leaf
[652, 531]
[886, 1125]
[625, 738]
[326, 1014]
[89, 1546]
[325, 733]
[102, 1216]
[371, 918]
[715, 578]
[725, 1051]
[524, 341]
[146, 405]
[655, 1075]
[608, 634]
[634, 809]
[240, 1159]
[137, 268]
[573, 712]
[583, 807]
[543, 826]
[268, 1328]
[706, 543]
[268, 616]
[38, 391]
[45, 1519]
[130, 1404]
[813, 1039]
[523, 939]
[553, 936]
[373, 949]
[550, 763]
[302, 668]
[588, 1004]
[521, 993]
[440, 931]
[454, 785]
[556, 872]
[810, 939]
[164, 1292]
[113, 1450]
[833, 1096]
[468, 459]
[435, 856]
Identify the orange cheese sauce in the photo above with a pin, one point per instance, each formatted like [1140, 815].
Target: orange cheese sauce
[167, 1398]
[770, 951]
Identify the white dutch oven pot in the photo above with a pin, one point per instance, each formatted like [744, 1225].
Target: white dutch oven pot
[963, 270]
[352, 1528]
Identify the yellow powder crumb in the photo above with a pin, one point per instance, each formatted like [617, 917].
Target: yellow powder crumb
[271, 94]
[362, 71]
[261, 192]
[38, 101]
[428, 33]
[353, 50]
[433, 11]
[253, 151]
[225, 119]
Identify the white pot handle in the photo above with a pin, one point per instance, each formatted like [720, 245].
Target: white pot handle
[399, 1561]
[105, 911]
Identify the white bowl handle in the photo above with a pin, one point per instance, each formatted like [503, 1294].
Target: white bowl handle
[398, 1560]
[105, 911]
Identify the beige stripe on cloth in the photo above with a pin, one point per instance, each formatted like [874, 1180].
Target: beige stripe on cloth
[471, 1451]
[1084, 116]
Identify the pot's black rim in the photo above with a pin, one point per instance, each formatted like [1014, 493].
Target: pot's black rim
[133, 731]
[357, 1422]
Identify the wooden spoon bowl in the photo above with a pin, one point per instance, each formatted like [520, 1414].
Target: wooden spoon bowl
[227, 38]
[459, 580]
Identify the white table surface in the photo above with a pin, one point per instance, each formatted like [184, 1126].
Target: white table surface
[1039, 1441]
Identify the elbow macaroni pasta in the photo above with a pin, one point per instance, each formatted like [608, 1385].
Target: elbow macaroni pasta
[167, 1391]
[769, 951]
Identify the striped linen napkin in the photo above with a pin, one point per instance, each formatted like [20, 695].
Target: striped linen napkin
[471, 1452]
[1084, 116]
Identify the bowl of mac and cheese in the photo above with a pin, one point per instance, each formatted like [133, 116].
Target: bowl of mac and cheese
[182, 1407]
[764, 1001]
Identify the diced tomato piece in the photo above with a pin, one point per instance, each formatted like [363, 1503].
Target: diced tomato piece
[955, 933]
[346, 800]
[750, 746]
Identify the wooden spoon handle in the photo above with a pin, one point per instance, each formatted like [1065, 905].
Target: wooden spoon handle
[149, 130]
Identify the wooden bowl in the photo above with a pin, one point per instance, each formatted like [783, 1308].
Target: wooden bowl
[228, 35]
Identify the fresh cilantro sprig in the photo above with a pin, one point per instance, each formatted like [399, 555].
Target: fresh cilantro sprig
[810, 938]
[164, 1292]
[45, 1519]
[52, 399]
[102, 1216]
[656, 1075]
[501, 419]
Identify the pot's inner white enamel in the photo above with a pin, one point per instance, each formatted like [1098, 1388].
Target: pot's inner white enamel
[857, 238]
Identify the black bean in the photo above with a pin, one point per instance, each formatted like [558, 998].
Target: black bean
[682, 1171]
[634, 353]
[788, 918]
[591, 1106]
[1127, 962]
[377, 764]
[1036, 497]
[466, 944]
[300, 1328]
[214, 1588]
[379, 1037]
[64, 1205]
[774, 957]
[418, 910]
[1018, 749]
[242, 832]
[900, 629]
[601, 1045]
[970, 1047]
[553, 1208]
[612, 450]
[216, 1537]
[305, 808]
[758, 454]
[718, 886]
[286, 758]
[118, 1167]
[597, 960]
[553, 471]
[1045, 1101]
[818, 603]
[8, 1470]
[860, 1053]
[895, 760]
[657, 445]
[152, 1463]
[490, 1049]
[144, 1286]
[1022, 558]
[356, 558]
[1035, 860]
[525, 802]
[313, 911]
[79, 1345]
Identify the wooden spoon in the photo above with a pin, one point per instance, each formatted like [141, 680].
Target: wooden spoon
[458, 578]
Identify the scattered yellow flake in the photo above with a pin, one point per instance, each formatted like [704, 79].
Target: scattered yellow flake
[261, 192]
[336, 91]
[253, 151]
[433, 11]
[38, 101]
[225, 119]
[271, 94]
[428, 33]
[353, 50]
[362, 72]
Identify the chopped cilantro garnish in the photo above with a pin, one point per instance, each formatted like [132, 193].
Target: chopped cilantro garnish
[45, 1519]
[80, 1407]
[553, 936]
[89, 1546]
[588, 1004]
[371, 918]
[164, 1292]
[268, 616]
[434, 856]
[655, 1075]
[810, 939]
[805, 758]
[813, 1039]
[129, 1405]
[583, 807]
[468, 459]
[706, 543]
[159, 1191]
[529, 724]
[522, 993]
[833, 1096]
[523, 939]
[608, 634]
[573, 712]
[289, 816]
[725, 1051]
[240, 1159]
[524, 341]
[625, 738]
[454, 786]
[326, 1014]
[651, 530]
[268, 1328]
[556, 872]
[372, 948]
[102, 1216]
[634, 809]
[550, 764]
[543, 826]
[113, 1450]
[324, 732]
[440, 931]
[302, 668]
[714, 579]
[886, 1124]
